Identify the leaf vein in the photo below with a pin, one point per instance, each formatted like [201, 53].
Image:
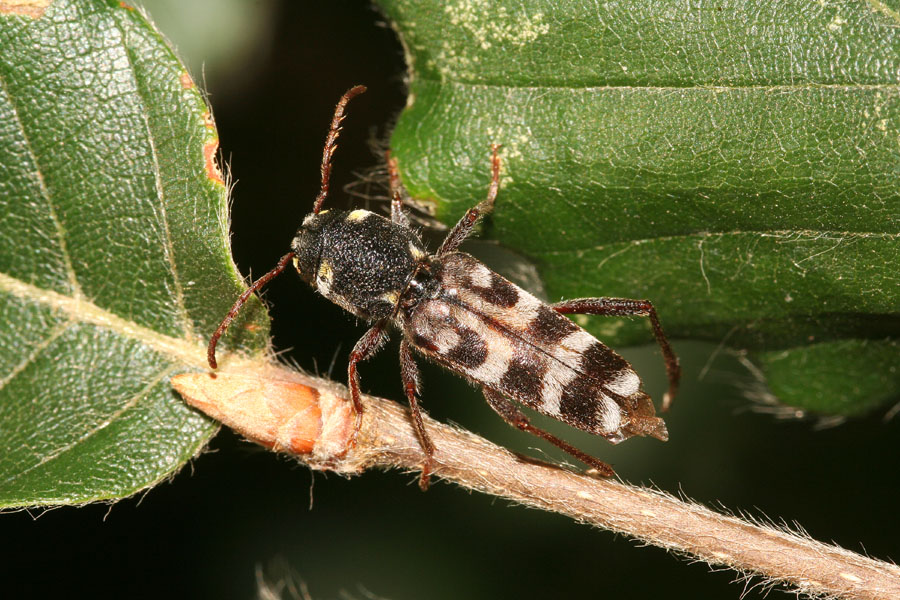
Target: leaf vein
[112, 418]
[45, 192]
[36, 351]
[669, 88]
[168, 246]
[884, 9]
[839, 236]
[188, 352]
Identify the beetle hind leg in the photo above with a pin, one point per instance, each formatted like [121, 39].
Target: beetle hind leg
[626, 307]
[515, 417]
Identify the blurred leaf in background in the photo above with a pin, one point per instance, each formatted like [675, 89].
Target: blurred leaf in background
[736, 163]
[224, 41]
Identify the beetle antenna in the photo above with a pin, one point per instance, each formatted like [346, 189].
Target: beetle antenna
[211, 350]
[331, 143]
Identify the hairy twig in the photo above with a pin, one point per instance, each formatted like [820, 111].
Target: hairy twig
[291, 412]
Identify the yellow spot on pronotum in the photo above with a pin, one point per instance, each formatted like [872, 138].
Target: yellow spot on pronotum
[358, 215]
[416, 252]
[324, 278]
[391, 297]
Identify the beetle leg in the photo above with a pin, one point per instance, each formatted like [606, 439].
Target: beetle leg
[464, 227]
[368, 345]
[397, 214]
[409, 372]
[625, 307]
[515, 417]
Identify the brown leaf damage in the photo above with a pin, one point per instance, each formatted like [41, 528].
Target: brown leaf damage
[211, 149]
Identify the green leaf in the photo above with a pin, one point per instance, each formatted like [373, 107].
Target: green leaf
[114, 266]
[736, 163]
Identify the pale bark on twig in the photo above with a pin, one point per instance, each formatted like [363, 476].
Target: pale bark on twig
[262, 403]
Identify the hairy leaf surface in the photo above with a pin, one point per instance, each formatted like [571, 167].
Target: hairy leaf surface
[114, 266]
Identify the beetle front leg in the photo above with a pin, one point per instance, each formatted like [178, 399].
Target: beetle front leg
[409, 372]
[464, 227]
[367, 346]
[625, 307]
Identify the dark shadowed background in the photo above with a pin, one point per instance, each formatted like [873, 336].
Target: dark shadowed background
[273, 71]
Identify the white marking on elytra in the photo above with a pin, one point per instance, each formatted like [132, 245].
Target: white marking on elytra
[496, 363]
[480, 275]
[445, 339]
[441, 309]
[560, 376]
[432, 321]
[499, 349]
[524, 312]
[572, 346]
[609, 415]
[517, 317]
[626, 383]
[557, 378]
[358, 215]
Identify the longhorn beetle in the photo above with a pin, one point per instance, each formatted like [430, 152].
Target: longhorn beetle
[457, 312]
